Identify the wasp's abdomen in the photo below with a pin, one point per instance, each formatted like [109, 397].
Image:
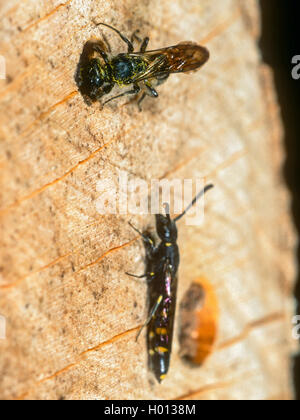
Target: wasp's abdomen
[160, 333]
[160, 365]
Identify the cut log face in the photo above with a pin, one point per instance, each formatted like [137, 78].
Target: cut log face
[71, 313]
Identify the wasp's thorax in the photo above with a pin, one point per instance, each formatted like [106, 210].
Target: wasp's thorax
[166, 228]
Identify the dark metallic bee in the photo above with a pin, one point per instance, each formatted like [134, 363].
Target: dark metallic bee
[98, 70]
[162, 263]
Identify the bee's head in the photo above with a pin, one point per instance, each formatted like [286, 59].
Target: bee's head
[90, 79]
[166, 227]
[91, 74]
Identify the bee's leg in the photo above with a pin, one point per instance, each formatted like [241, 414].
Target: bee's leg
[129, 44]
[104, 91]
[161, 79]
[144, 44]
[150, 89]
[90, 47]
[87, 100]
[107, 43]
[141, 100]
[133, 91]
[152, 313]
[135, 37]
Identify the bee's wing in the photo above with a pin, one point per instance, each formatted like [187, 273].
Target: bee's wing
[183, 57]
[156, 65]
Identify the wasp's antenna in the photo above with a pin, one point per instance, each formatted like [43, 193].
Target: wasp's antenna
[201, 193]
[167, 210]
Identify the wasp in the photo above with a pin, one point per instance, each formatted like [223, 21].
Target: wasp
[162, 263]
[99, 71]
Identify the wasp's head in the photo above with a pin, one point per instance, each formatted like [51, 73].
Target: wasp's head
[166, 228]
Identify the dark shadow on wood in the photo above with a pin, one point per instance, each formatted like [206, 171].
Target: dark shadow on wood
[279, 43]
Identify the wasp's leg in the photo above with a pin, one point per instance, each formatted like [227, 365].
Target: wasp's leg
[146, 238]
[129, 44]
[152, 313]
[133, 91]
[149, 276]
[137, 231]
[137, 277]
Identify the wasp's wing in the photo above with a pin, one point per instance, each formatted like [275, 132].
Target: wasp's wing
[183, 57]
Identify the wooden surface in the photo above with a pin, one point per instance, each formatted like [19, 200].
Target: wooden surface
[72, 314]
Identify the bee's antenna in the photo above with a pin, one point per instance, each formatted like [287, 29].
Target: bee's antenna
[201, 193]
[123, 37]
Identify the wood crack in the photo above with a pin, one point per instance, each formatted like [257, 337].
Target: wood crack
[80, 358]
[251, 326]
[50, 184]
[47, 16]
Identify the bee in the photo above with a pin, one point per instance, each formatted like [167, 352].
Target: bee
[162, 262]
[99, 71]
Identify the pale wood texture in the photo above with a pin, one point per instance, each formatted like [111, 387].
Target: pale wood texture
[72, 313]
